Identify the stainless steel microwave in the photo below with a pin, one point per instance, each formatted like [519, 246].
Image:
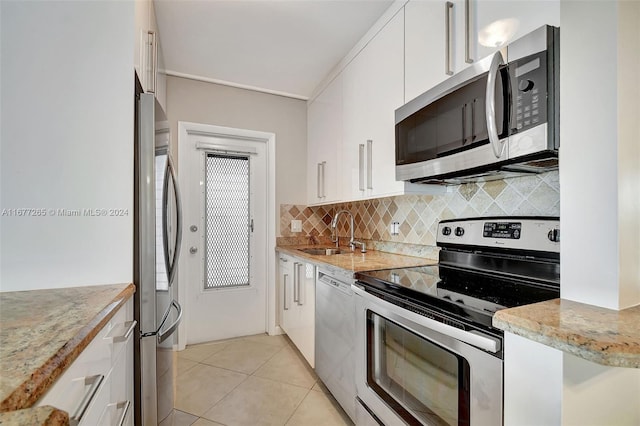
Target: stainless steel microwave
[498, 117]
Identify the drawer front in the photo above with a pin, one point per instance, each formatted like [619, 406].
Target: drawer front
[83, 381]
[115, 404]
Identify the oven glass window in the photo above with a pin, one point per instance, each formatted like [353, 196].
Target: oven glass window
[421, 381]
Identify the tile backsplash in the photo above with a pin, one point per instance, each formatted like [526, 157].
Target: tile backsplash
[418, 215]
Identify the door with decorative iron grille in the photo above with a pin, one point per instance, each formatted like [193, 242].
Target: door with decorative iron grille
[225, 217]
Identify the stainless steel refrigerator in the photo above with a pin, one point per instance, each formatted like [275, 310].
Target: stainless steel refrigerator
[157, 235]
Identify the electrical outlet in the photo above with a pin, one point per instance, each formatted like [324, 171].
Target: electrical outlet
[394, 228]
[296, 225]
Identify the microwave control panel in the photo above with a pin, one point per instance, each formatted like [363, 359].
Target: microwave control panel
[529, 89]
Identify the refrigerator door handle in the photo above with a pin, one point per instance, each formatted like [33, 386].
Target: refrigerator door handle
[170, 264]
[161, 334]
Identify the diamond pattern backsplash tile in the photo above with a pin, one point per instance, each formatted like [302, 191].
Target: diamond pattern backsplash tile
[418, 215]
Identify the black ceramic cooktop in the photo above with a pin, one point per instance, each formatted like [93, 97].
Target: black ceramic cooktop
[469, 295]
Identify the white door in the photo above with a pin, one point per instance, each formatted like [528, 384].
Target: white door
[224, 180]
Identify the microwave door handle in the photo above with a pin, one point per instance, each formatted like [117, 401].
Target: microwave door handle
[490, 100]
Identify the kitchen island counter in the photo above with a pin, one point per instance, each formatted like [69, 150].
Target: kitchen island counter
[355, 261]
[42, 332]
[600, 335]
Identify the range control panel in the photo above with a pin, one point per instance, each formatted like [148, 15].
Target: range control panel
[522, 233]
[502, 230]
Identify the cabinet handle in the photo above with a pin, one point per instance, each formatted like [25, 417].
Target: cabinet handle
[448, 8]
[361, 167]
[318, 190]
[323, 164]
[284, 293]
[153, 51]
[467, 32]
[301, 286]
[130, 326]
[296, 278]
[124, 406]
[369, 163]
[284, 260]
[95, 382]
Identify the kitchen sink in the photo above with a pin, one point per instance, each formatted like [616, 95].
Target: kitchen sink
[321, 251]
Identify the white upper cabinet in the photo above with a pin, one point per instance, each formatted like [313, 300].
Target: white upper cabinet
[424, 46]
[147, 57]
[142, 25]
[351, 124]
[157, 71]
[498, 22]
[372, 89]
[438, 43]
[324, 121]
[444, 37]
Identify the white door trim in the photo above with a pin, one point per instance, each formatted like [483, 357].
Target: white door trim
[184, 130]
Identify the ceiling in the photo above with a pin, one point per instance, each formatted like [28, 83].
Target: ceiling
[285, 47]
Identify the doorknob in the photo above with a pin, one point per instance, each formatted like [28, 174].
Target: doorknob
[193, 228]
[193, 250]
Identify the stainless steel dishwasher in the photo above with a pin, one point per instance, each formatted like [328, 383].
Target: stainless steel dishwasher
[335, 337]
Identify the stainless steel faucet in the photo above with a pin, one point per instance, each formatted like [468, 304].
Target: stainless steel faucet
[352, 243]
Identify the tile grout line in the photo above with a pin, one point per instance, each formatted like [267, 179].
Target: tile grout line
[298, 406]
[281, 348]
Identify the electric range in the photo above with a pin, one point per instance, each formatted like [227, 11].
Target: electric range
[427, 351]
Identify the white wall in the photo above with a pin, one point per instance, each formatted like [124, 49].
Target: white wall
[599, 153]
[209, 103]
[597, 395]
[532, 382]
[600, 211]
[66, 142]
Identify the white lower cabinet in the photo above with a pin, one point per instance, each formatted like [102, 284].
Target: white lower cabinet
[97, 388]
[297, 290]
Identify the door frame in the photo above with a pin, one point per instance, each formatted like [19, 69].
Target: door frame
[185, 129]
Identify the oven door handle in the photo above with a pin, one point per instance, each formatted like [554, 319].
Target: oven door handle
[473, 337]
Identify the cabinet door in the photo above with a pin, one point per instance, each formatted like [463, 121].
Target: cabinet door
[501, 21]
[302, 331]
[354, 124]
[385, 61]
[372, 90]
[424, 46]
[140, 36]
[160, 76]
[323, 145]
[285, 294]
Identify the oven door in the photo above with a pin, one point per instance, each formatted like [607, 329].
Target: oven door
[408, 373]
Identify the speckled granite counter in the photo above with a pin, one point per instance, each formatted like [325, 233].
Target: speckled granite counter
[43, 331]
[600, 335]
[355, 261]
[45, 416]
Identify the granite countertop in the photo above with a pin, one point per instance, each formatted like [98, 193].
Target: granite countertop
[42, 332]
[355, 261]
[600, 335]
[45, 415]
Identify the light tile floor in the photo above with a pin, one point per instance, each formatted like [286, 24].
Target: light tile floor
[250, 381]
